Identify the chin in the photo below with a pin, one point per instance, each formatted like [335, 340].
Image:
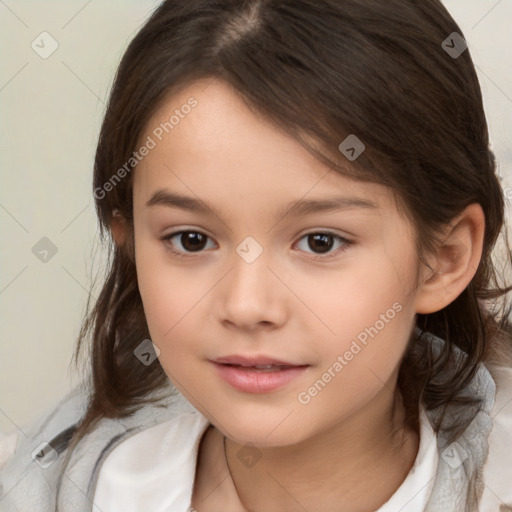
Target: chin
[262, 434]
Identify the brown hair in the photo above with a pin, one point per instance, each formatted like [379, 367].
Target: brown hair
[320, 70]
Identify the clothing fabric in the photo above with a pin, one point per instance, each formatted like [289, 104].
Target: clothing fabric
[154, 470]
[473, 473]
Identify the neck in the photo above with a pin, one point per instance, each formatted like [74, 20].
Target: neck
[356, 465]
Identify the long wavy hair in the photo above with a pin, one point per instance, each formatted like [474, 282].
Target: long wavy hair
[320, 70]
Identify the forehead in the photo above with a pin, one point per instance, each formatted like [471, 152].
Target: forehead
[222, 147]
[220, 123]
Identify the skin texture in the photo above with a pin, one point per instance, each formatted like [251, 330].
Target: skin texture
[293, 303]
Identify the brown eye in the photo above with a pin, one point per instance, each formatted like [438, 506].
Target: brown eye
[321, 243]
[192, 240]
[186, 242]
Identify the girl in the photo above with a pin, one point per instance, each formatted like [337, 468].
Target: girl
[338, 339]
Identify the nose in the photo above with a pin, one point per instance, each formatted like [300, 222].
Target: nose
[252, 297]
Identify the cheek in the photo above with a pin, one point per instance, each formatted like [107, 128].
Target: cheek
[357, 296]
[170, 303]
[166, 294]
[173, 301]
[169, 310]
[368, 315]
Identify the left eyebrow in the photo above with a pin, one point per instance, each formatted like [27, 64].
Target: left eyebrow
[297, 208]
[332, 204]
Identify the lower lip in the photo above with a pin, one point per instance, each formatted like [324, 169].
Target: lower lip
[252, 381]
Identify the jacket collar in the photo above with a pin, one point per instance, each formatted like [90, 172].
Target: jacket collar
[27, 486]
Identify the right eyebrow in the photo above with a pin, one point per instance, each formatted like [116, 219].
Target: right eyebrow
[300, 207]
[163, 197]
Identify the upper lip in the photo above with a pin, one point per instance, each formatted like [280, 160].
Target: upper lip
[253, 361]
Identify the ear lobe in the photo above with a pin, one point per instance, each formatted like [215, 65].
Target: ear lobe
[455, 262]
[118, 228]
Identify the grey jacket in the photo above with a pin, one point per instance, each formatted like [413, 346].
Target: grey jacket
[479, 461]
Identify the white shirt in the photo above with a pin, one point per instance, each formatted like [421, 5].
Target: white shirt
[154, 469]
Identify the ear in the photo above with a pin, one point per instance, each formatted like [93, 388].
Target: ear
[118, 228]
[455, 262]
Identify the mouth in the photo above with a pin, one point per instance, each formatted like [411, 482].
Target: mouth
[255, 362]
[258, 378]
[264, 368]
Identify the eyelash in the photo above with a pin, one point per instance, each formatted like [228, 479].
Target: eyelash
[346, 244]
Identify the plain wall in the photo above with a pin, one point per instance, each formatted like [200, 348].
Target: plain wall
[51, 110]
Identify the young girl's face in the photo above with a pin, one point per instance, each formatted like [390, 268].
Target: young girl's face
[251, 280]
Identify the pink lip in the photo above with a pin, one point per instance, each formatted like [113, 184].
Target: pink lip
[251, 381]
[252, 361]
